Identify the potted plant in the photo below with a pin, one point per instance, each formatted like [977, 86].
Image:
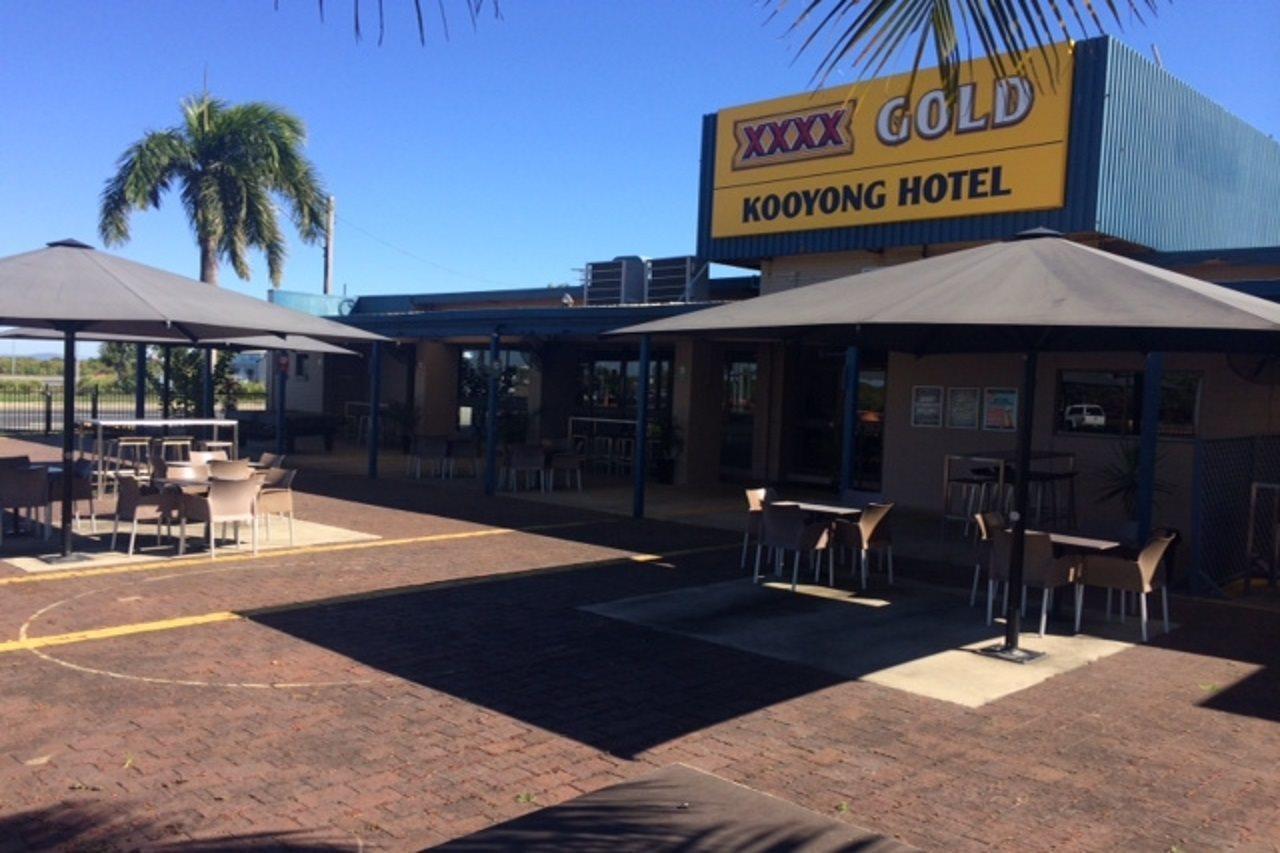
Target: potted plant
[1121, 480]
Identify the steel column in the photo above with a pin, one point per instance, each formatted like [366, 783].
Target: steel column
[375, 406]
[140, 382]
[206, 383]
[1149, 443]
[280, 386]
[849, 436]
[491, 416]
[640, 458]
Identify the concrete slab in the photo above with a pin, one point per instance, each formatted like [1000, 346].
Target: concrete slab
[913, 637]
[676, 808]
[96, 546]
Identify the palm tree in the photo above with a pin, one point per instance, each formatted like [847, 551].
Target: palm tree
[865, 35]
[229, 165]
[1014, 35]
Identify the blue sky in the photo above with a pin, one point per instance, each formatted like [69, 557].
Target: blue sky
[505, 156]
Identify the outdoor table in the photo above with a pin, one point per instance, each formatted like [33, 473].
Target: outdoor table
[97, 425]
[1002, 460]
[1255, 489]
[832, 510]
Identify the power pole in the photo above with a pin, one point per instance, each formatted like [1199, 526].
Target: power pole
[330, 220]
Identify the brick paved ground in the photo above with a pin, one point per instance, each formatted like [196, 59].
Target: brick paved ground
[426, 713]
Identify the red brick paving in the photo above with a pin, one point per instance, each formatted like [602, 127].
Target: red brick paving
[474, 703]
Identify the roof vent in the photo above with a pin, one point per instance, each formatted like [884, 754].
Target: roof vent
[69, 243]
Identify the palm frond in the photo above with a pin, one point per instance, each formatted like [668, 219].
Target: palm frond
[143, 173]
[1014, 35]
[474, 9]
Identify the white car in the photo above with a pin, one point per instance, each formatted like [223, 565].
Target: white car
[1084, 415]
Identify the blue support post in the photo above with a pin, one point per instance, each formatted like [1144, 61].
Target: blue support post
[1149, 443]
[280, 386]
[140, 382]
[206, 383]
[849, 438]
[375, 406]
[491, 416]
[640, 459]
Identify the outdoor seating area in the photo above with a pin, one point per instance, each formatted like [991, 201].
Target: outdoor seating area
[521, 467]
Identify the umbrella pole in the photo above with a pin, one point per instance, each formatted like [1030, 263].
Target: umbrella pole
[1009, 650]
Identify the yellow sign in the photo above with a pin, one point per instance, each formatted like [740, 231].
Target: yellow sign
[877, 153]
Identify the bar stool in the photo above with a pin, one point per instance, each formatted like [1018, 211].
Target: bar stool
[975, 490]
[133, 452]
[624, 454]
[176, 448]
[602, 452]
[218, 444]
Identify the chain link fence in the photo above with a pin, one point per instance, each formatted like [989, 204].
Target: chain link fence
[1225, 471]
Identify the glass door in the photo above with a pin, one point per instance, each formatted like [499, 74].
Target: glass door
[817, 396]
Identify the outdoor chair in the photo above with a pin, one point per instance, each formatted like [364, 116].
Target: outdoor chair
[1040, 569]
[569, 463]
[270, 460]
[227, 502]
[1140, 575]
[433, 451]
[529, 460]
[234, 469]
[986, 523]
[204, 457]
[756, 500]
[785, 527]
[276, 498]
[869, 532]
[135, 503]
[25, 488]
[81, 490]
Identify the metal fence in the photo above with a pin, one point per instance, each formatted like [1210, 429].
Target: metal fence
[40, 410]
[1225, 471]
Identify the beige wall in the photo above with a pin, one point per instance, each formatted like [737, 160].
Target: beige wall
[696, 409]
[436, 388]
[913, 456]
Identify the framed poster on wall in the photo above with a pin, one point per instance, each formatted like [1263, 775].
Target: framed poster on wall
[963, 408]
[926, 406]
[1000, 409]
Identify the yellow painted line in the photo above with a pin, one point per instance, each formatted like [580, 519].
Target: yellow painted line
[29, 643]
[117, 631]
[203, 559]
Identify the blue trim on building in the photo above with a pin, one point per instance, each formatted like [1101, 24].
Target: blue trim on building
[1253, 255]
[405, 303]
[316, 304]
[544, 323]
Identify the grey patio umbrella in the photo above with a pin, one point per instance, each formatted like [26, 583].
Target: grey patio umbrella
[1026, 296]
[72, 288]
[292, 343]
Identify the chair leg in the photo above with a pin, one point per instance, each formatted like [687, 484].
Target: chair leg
[133, 535]
[746, 535]
[212, 536]
[1079, 604]
[182, 536]
[795, 571]
[1164, 606]
[1004, 605]
[973, 592]
[889, 554]
[115, 530]
[253, 538]
[991, 594]
[1142, 613]
[1044, 610]
[290, 528]
[863, 562]
[755, 578]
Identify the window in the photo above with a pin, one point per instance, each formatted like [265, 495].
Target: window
[607, 385]
[1110, 402]
[473, 384]
[300, 365]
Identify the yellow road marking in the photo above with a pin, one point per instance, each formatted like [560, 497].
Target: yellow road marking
[203, 560]
[31, 643]
[117, 631]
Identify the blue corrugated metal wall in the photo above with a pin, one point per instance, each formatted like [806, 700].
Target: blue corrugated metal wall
[1177, 171]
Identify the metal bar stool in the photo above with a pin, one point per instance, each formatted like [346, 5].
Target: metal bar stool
[176, 448]
[219, 444]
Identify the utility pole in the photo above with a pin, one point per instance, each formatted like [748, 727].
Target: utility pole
[329, 222]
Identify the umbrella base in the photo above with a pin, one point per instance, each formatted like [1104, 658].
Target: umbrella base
[1013, 654]
[59, 559]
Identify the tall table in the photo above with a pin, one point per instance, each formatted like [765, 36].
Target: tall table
[97, 425]
[1002, 460]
